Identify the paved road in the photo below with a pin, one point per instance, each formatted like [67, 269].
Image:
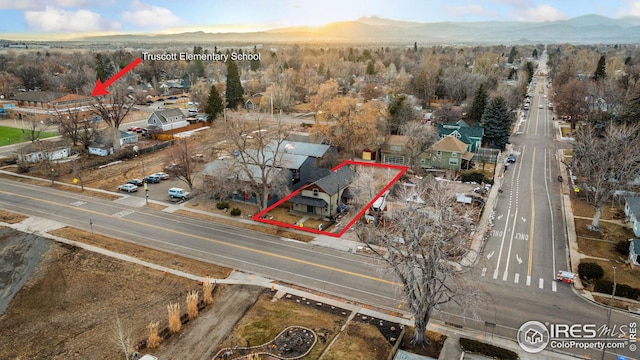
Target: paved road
[335, 272]
[527, 246]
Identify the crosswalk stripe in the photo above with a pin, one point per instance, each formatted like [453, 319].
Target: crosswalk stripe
[528, 280]
[484, 272]
[541, 283]
[517, 278]
[554, 286]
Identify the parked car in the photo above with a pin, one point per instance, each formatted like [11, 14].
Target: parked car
[152, 179]
[172, 98]
[136, 182]
[134, 128]
[150, 101]
[511, 158]
[128, 188]
[162, 175]
[178, 193]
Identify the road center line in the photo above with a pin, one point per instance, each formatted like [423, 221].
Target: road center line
[261, 252]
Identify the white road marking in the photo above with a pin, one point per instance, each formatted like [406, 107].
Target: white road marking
[518, 259]
[495, 274]
[554, 286]
[484, 272]
[500, 216]
[489, 255]
[541, 283]
[517, 278]
[528, 280]
[523, 219]
[505, 276]
[78, 203]
[123, 213]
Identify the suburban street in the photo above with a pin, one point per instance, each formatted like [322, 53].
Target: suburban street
[525, 249]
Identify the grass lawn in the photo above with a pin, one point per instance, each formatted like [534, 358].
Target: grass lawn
[357, 337]
[624, 274]
[582, 208]
[566, 131]
[9, 135]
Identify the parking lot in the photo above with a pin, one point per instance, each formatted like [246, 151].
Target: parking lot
[158, 191]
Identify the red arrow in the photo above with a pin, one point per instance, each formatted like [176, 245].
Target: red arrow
[101, 88]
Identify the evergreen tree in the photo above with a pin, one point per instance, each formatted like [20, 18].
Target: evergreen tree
[479, 104]
[235, 92]
[255, 64]
[415, 46]
[534, 53]
[512, 55]
[371, 70]
[400, 112]
[530, 71]
[631, 113]
[496, 121]
[214, 106]
[601, 72]
[104, 67]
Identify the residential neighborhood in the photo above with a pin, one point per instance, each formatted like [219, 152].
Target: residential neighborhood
[301, 193]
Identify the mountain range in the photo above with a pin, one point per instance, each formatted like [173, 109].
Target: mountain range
[583, 29]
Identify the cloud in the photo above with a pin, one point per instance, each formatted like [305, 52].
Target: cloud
[632, 9]
[53, 19]
[149, 16]
[39, 4]
[471, 11]
[538, 13]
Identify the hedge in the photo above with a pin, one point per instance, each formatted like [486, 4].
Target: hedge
[590, 271]
[622, 290]
[235, 212]
[475, 346]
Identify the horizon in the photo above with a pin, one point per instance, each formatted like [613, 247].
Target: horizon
[60, 20]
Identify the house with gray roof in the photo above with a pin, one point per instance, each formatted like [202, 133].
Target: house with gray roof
[470, 135]
[323, 197]
[632, 210]
[166, 120]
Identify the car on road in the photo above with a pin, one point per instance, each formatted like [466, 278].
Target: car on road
[128, 188]
[178, 193]
[511, 158]
[152, 179]
[162, 175]
[172, 98]
[136, 182]
[540, 106]
[150, 101]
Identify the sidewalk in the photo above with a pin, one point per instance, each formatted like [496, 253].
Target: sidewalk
[451, 349]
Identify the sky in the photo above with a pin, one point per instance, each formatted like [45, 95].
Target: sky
[63, 18]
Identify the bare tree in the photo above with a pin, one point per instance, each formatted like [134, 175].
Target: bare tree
[422, 137]
[113, 108]
[121, 336]
[183, 166]
[261, 156]
[34, 129]
[605, 161]
[69, 124]
[423, 244]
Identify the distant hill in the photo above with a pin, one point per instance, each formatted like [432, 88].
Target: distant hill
[583, 29]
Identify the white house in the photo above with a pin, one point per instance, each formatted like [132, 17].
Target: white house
[632, 210]
[103, 146]
[167, 120]
[42, 150]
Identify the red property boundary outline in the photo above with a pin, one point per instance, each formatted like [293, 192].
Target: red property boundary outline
[402, 169]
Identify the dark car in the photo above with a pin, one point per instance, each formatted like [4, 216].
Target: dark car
[172, 98]
[161, 99]
[150, 101]
[511, 158]
[136, 182]
[153, 179]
